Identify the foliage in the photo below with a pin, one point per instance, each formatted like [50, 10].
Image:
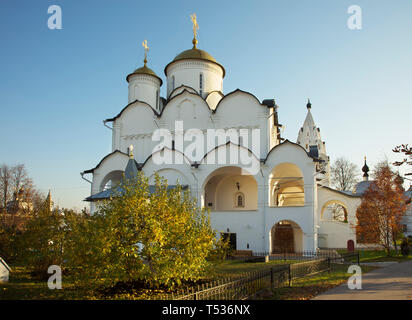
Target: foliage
[407, 151]
[381, 210]
[344, 174]
[405, 247]
[162, 237]
[41, 243]
[221, 251]
[17, 192]
[8, 242]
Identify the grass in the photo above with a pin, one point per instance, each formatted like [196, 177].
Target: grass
[23, 286]
[380, 256]
[308, 287]
[232, 268]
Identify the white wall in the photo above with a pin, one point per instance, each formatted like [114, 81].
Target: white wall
[187, 72]
[239, 110]
[213, 99]
[222, 191]
[143, 88]
[336, 234]
[248, 226]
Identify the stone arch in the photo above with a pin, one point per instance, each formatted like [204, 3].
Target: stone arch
[286, 236]
[222, 187]
[172, 175]
[111, 179]
[334, 210]
[286, 186]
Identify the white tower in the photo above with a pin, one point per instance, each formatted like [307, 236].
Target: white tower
[195, 68]
[310, 139]
[144, 84]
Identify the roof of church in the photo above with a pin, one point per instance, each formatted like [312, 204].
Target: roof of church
[346, 193]
[101, 161]
[408, 192]
[361, 187]
[309, 122]
[108, 193]
[144, 70]
[195, 54]
[132, 169]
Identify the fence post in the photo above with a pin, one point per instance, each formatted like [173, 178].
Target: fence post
[358, 258]
[271, 278]
[290, 275]
[328, 265]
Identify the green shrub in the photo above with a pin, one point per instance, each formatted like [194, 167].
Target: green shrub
[405, 247]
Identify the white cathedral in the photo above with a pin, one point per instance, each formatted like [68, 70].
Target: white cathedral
[285, 205]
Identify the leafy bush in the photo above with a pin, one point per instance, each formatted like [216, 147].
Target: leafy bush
[41, 243]
[8, 243]
[161, 237]
[221, 251]
[405, 247]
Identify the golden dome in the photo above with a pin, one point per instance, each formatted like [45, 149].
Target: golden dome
[195, 54]
[144, 70]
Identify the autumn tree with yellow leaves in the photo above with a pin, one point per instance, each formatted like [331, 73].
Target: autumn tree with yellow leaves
[155, 233]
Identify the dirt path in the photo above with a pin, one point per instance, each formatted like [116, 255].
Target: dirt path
[392, 282]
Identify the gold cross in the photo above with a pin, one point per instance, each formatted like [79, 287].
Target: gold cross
[146, 49]
[195, 28]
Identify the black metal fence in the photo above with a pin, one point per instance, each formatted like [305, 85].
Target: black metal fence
[248, 284]
[261, 256]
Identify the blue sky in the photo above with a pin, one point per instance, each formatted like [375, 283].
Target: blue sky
[56, 86]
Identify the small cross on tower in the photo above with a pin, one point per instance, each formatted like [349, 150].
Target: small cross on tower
[195, 28]
[146, 49]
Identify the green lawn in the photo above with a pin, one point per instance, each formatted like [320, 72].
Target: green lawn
[232, 268]
[380, 256]
[23, 286]
[309, 287]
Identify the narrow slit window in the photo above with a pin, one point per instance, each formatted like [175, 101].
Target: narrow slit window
[201, 84]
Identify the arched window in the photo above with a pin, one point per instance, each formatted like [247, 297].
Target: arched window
[334, 211]
[201, 84]
[239, 200]
[286, 186]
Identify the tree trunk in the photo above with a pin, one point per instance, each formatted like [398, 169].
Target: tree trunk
[388, 244]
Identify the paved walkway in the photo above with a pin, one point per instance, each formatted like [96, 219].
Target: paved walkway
[392, 282]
